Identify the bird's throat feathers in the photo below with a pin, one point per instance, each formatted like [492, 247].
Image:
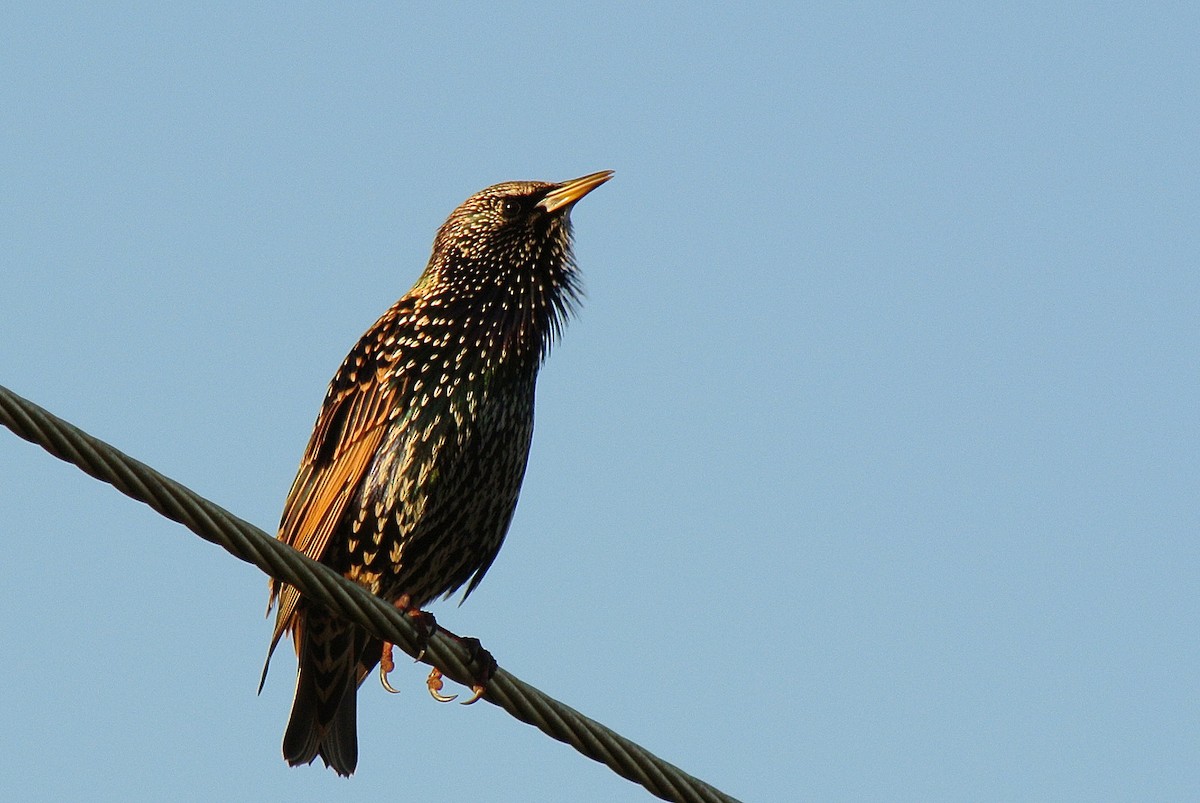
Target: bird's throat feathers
[501, 301]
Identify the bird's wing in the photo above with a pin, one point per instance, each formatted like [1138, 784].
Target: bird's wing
[362, 398]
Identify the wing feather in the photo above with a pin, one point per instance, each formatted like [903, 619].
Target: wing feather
[349, 429]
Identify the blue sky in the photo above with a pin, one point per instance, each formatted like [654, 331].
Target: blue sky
[868, 469]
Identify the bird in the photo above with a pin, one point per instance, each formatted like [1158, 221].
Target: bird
[411, 475]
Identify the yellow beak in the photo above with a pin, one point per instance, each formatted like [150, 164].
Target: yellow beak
[571, 191]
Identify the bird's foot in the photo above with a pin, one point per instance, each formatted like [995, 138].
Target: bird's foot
[435, 683]
[482, 663]
[426, 626]
[483, 666]
[386, 665]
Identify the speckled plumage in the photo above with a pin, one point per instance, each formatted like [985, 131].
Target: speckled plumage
[412, 473]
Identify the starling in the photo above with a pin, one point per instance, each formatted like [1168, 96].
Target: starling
[411, 476]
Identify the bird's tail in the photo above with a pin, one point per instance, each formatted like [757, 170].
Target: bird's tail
[324, 711]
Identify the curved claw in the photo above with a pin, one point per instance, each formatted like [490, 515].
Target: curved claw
[443, 698]
[386, 665]
[383, 678]
[434, 683]
[479, 691]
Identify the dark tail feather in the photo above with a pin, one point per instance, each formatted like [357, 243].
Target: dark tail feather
[336, 741]
[323, 719]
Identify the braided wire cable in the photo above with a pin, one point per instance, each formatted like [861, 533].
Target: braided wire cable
[320, 583]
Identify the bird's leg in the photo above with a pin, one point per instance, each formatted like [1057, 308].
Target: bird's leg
[425, 624]
[484, 665]
[480, 660]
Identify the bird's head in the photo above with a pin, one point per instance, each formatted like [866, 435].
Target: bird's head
[514, 221]
[503, 257]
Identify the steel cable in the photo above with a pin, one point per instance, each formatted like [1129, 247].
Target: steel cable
[317, 582]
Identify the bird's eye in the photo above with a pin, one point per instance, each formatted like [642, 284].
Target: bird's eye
[511, 208]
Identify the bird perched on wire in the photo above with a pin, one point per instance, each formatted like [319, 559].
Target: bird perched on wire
[411, 476]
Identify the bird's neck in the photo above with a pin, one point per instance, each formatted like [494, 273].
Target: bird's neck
[505, 319]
